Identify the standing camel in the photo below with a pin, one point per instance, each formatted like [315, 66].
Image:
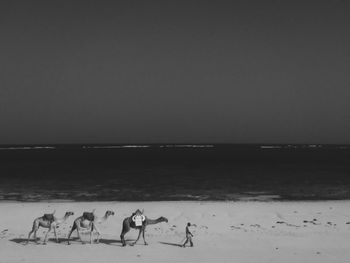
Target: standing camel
[48, 221]
[89, 221]
[129, 223]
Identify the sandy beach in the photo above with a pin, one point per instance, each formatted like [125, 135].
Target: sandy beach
[317, 231]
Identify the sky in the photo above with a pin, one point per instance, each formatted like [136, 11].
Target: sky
[174, 71]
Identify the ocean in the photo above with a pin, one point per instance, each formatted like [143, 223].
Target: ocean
[160, 172]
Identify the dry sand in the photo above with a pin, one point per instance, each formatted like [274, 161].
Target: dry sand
[224, 232]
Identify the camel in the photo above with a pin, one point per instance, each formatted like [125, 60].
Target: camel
[129, 223]
[89, 221]
[48, 221]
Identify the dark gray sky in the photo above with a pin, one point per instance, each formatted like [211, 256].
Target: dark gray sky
[174, 71]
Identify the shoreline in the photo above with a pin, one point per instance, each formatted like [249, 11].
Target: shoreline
[59, 201]
[179, 201]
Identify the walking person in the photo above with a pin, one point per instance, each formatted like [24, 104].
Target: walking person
[188, 236]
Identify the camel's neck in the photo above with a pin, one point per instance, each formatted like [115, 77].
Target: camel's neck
[63, 219]
[101, 219]
[154, 221]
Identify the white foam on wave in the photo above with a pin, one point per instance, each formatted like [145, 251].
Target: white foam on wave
[149, 146]
[292, 146]
[187, 146]
[270, 147]
[115, 146]
[27, 148]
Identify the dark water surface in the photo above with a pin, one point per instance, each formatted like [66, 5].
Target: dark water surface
[174, 172]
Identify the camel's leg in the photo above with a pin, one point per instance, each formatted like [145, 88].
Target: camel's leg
[98, 233]
[34, 229]
[137, 239]
[91, 235]
[70, 232]
[74, 227]
[30, 233]
[122, 238]
[91, 232]
[125, 230]
[35, 237]
[54, 230]
[78, 232]
[47, 234]
[143, 235]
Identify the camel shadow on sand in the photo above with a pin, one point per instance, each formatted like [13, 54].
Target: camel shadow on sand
[110, 242]
[114, 241]
[23, 241]
[19, 240]
[171, 244]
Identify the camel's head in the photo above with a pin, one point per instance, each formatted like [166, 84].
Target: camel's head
[69, 213]
[109, 213]
[163, 219]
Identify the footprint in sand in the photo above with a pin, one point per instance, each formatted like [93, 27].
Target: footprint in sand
[255, 225]
[279, 216]
[314, 222]
[287, 224]
[3, 233]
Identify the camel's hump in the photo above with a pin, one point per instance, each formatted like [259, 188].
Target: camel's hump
[88, 216]
[49, 217]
